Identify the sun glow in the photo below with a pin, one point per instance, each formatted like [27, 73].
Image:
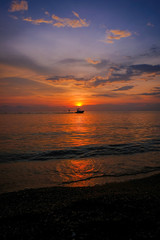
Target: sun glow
[79, 104]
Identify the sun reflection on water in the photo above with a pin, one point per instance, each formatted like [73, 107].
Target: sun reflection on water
[72, 171]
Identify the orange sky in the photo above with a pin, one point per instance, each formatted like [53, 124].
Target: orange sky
[67, 56]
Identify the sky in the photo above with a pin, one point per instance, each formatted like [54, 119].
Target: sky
[101, 55]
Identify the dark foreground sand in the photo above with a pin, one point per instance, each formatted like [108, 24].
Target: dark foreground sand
[129, 210]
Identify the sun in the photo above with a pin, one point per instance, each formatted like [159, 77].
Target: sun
[79, 104]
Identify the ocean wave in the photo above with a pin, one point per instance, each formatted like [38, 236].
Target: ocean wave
[117, 175]
[87, 151]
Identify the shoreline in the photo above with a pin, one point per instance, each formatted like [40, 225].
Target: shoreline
[128, 209]
[19, 175]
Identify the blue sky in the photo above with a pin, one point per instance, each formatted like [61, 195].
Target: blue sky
[95, 52]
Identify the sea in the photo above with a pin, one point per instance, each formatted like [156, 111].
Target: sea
[77, 150]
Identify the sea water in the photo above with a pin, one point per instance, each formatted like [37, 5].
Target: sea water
[68, 149]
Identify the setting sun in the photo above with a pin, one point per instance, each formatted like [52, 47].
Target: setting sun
[79, 104]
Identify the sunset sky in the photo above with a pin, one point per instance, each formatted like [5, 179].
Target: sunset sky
[98, 54]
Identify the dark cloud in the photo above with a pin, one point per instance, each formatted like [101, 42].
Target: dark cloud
[145, 68]
[154, 92]
[114, 74]
[104, 95]
[120, 77]
[98, 82]
[151, 94]
[124, 88]
[154, 51]
[67, 77]
[132, 71]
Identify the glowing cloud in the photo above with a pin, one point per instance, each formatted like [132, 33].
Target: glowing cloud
[60, 22]
[116, 35]
[67, 22]
[37, 21]
[92, 61]
[18, 6]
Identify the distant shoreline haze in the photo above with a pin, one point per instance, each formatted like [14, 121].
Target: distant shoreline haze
[50, 109]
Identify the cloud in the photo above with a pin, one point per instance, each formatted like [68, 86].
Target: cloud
[126, 73]
[60, 22]
[114, 74]
[16, 86]
[116, 35]
[123, 74]
[154, 51]
[149, 24]
[18, 6]
[22, 61]
[97, 81]
[92, 61]
[145, 68]
[124, 88]
[94, 81]
[67, 22]
[98, 64]
[14, 17]
[102, 64]
[105, 95]
[64, 78]
[47, 13]
[71, 61]
[154, 92]
[37, 21]
[90, 82]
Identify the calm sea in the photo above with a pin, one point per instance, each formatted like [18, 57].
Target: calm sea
[60, 149]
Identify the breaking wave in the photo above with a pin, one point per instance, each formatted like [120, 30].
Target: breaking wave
[87, 151]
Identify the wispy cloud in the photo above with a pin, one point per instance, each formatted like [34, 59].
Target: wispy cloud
[18, 6]
[37, 21]
[154, 92]
[60, 22]
[108, 95]
[47, 13]
[123, 88]
[67, 22]
[64, 78]
[116, 35]
[91, 82]
[21, 61]
[98, 64]
[149, 24]
[14, 17]
[72, 61]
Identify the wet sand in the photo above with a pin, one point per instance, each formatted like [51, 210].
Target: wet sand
[128, 210]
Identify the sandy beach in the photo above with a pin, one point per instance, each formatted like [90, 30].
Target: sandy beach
[128, 210]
